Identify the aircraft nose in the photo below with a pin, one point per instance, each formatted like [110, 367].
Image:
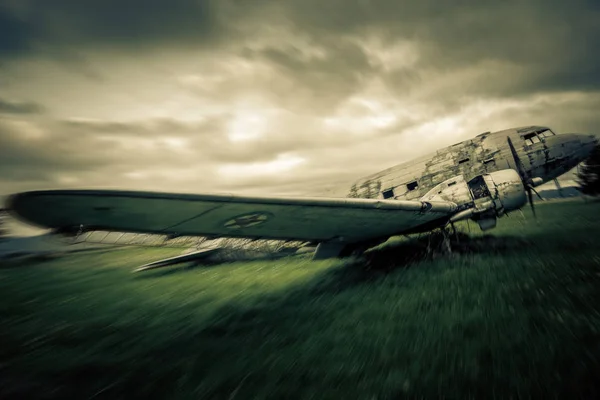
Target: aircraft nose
[587, 143]
[566, 150]
[578, 146]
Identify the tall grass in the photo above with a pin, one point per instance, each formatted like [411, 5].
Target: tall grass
[512, 313]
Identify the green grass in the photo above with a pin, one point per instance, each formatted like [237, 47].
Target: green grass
[515, 314]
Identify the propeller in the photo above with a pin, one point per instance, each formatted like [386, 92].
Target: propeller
[525, 178]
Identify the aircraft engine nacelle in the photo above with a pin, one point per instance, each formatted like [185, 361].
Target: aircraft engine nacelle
[508, 189]
[483, 198]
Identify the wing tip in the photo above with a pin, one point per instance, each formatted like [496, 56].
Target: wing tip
[12, 202]
[16, 206]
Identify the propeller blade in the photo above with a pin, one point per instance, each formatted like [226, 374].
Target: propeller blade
[530, 196]
[518, 163]
[524, 177]
[536, 193]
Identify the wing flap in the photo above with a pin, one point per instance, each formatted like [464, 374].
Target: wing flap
[318, 219]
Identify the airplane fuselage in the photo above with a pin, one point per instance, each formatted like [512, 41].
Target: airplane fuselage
[544, 155]
[480, 179]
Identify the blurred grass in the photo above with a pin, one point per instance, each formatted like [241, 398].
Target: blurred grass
[514, 313]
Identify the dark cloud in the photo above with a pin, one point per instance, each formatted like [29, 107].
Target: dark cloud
[569, 113]
[464, 30]
[583, 76]
[443, 71]
[20, 107]
[27, 25]
[550, 42]
[15, 34]
[339, 71]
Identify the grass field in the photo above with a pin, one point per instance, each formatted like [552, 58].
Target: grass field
[514, 314]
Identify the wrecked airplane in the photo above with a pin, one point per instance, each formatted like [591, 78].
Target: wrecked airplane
[481, 179]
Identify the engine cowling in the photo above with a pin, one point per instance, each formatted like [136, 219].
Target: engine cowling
[483, 198]
[508, 189]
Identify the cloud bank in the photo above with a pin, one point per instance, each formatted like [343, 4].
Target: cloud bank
[292, 97]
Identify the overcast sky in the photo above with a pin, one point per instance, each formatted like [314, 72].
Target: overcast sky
[287, 96]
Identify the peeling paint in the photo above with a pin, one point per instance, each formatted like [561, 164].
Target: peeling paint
[485, 153]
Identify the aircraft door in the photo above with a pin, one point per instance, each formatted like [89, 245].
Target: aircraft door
[480, 192]
[478, 188]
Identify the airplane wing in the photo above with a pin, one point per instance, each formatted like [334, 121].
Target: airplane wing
[223, 215]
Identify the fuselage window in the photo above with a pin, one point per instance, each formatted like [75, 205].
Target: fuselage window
[412, 185]
[388, 194]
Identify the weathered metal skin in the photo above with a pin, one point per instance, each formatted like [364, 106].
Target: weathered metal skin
[507, 190]
[475, 179]
[545, 155]
[485, 197]
[454, 189]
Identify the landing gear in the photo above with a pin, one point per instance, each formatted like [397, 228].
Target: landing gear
[446, 243]
[440, 242]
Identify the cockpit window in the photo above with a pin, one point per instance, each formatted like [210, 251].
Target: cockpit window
[536, 137]
[531, 138]
[546, 133]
